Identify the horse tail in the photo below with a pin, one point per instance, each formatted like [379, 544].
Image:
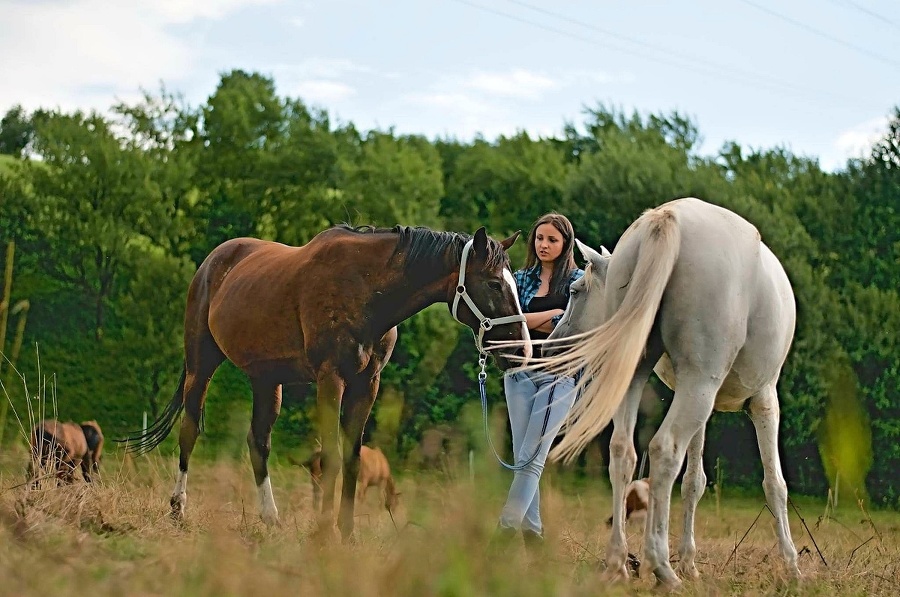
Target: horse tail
[610, 354]
[141, 443]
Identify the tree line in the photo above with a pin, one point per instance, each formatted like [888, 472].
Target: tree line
[110, 214]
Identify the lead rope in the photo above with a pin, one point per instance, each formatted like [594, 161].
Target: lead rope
[482, 378]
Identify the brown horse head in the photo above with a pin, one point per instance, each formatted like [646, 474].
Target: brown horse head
[485, 297]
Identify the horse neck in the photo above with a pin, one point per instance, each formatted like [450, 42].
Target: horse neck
[410, 294]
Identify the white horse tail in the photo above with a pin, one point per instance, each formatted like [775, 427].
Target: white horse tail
[610, 353]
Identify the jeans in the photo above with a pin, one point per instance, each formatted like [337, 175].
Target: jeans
[534, 425]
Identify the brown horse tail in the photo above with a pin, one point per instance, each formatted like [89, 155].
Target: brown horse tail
[141, 443]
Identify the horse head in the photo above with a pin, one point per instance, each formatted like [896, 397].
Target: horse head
[586, 309]
[487, 301]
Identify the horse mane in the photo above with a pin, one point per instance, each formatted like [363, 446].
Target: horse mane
[425, 250]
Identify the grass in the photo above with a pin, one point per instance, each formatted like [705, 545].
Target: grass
[115, 537]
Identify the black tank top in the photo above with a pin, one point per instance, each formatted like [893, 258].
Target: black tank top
[545, 303]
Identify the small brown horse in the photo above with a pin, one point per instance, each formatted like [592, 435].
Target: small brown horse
[66, 447]
[374, 471]
[326, 312]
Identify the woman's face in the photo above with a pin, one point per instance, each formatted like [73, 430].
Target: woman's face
[548, 243]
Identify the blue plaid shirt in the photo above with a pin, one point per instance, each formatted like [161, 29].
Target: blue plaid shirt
[528, 281]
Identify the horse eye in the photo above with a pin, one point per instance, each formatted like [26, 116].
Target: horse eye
[495, 286]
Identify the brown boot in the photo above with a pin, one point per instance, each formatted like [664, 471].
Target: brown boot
[534, 544]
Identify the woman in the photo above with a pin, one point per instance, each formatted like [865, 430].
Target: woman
[538, 402]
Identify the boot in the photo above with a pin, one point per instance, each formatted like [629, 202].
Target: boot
[534, 544]
[501, 539]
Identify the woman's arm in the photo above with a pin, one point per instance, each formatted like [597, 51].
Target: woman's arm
[542, 321]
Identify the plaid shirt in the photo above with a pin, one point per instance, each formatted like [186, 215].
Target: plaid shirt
[528, 282]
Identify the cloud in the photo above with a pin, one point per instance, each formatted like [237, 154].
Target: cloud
[464, 115]
[180, 12]
[518, 83]
[856, 141]
[87, 53]
[320, 91]
[322, 68]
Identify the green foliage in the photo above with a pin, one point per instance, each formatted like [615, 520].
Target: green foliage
[112, 220]
[16, 130]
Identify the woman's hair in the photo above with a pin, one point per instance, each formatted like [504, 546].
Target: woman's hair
[565, 263]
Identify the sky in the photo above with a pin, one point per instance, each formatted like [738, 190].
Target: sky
[820, 78]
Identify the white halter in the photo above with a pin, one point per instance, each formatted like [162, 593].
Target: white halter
[485, 323]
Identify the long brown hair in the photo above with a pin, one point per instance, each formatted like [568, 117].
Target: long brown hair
[565, 263]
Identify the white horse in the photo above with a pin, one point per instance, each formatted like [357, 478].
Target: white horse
[692, 293]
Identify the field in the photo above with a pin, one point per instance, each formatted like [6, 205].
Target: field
[115, 538]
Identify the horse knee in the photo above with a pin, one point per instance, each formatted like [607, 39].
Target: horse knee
[663, 457]
[620, 447]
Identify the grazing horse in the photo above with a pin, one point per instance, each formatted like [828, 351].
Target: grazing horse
[326, 312]
[66, 447]
[693, 293]
[374, 471]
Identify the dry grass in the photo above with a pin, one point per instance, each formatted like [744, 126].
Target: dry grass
[115, 538]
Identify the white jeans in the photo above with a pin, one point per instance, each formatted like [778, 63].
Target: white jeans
[538, 404]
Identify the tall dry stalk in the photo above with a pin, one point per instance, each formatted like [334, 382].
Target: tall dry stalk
[7, 291]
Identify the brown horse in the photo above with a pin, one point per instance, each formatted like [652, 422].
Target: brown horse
[326, 312]
[66, 447]
[374, 471]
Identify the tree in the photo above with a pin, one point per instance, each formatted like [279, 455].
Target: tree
[505, 186]
[162, 129]
[242, 124]
[94, 198]
[16, 131]
[390, 181]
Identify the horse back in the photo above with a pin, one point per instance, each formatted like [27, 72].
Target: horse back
[728, 303]
[65, 439]
[373, 465]
[270, 306]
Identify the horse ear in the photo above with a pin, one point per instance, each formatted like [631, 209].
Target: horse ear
[589, 254]
[508, 242]
[604, 252]
[480, 244]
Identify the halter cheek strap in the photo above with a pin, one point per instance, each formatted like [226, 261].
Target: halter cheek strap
[484, 323]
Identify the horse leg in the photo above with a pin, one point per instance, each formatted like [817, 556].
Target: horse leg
[691, 407]
[330, 390]
[266, 406]
[87, 464]
[622, 462]
[358, 401]
[765, 414]
[693, 485]
[201, 361]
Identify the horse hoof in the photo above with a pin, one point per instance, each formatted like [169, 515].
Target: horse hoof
[667, 584]
[615, 574]
[178, 503]
[689, 572]
[324, 534]
[270, 518]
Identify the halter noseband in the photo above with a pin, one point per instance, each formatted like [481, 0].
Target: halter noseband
[484, 323]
